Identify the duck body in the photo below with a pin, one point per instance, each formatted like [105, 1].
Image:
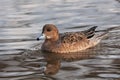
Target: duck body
[67, 42]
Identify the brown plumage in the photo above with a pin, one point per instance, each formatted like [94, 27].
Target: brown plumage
[67, 42]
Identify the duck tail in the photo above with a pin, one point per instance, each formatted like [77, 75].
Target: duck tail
[92, 28]
[90, 32]
[103, 35]
[96, 39]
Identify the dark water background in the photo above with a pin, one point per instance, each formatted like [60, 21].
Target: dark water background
[21, 22]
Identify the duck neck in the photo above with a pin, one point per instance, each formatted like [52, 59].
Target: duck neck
[55, 39]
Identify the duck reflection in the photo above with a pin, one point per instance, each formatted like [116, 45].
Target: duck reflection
[54, 60]
[50, 63]
[53, 64]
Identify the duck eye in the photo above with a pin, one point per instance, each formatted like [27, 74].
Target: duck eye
[49, 30]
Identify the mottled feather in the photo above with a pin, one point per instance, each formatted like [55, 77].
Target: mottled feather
[71, 37]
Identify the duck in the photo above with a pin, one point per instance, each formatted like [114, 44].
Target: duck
[68, 42]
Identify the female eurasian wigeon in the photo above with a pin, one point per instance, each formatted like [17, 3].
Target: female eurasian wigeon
[68, 42]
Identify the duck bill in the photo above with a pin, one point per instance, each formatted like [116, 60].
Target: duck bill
[41, 37]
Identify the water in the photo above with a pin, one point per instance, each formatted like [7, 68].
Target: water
[21, 22]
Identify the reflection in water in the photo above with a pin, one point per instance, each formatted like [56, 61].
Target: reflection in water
[53, 64]
[52, 61]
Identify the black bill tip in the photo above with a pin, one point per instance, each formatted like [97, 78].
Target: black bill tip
[37, 39]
